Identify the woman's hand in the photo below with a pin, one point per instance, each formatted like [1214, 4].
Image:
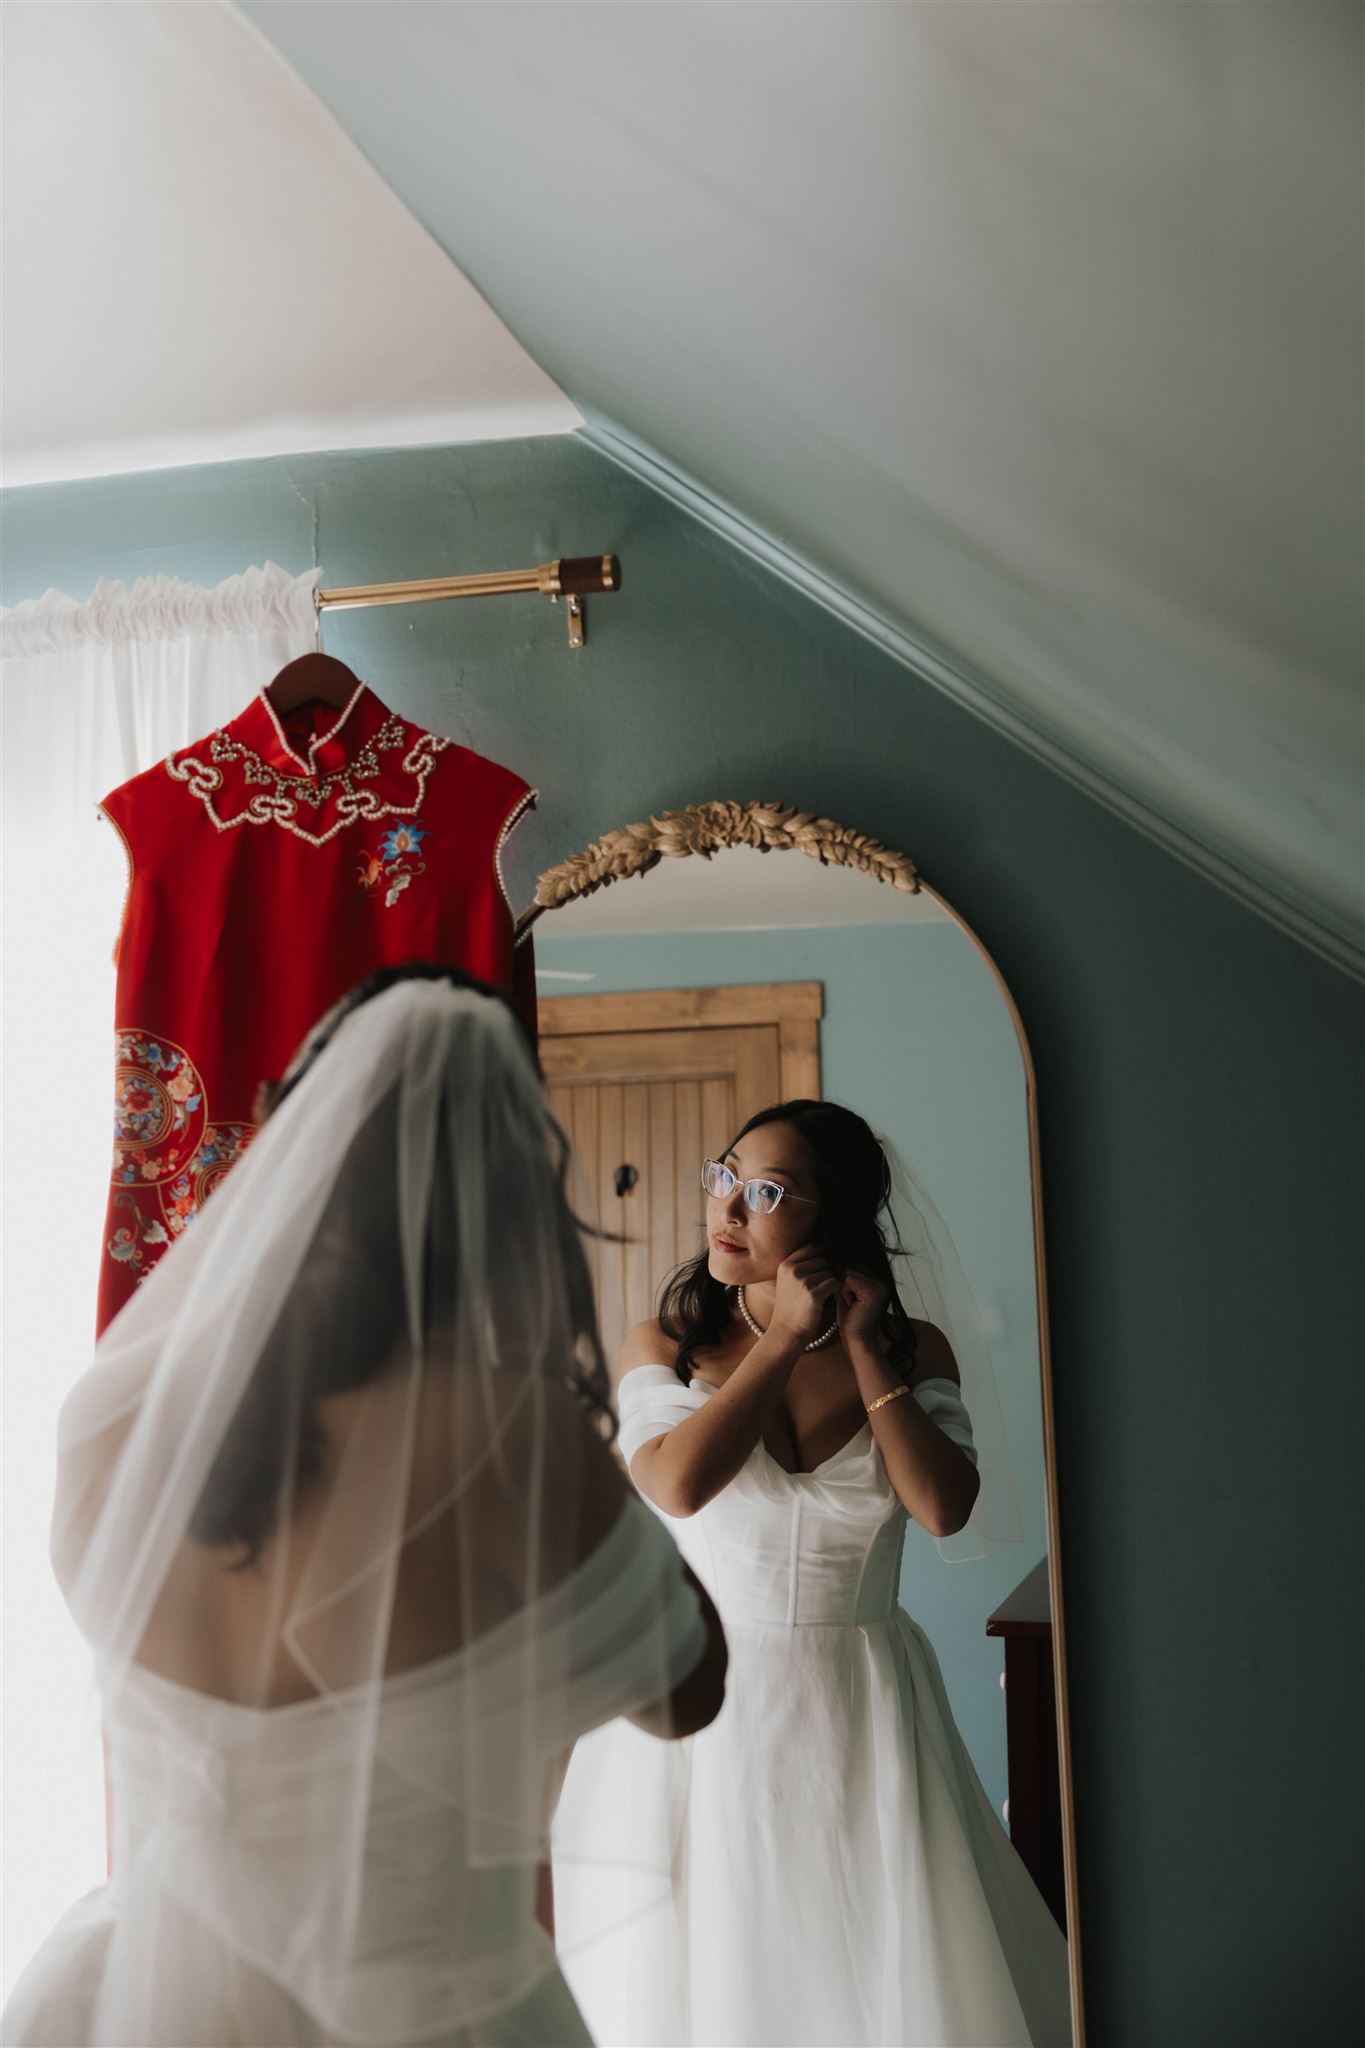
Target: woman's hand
[805, 1282]
[862, 1305]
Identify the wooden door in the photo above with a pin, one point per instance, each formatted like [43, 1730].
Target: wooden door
[648, 1085]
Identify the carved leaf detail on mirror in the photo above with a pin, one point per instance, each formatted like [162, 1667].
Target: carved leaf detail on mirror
[704, 829]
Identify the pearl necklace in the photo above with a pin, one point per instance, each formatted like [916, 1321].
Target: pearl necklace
[758, 1331]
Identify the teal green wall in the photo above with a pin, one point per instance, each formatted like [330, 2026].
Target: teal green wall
[1200, 1093]
[916, 1038]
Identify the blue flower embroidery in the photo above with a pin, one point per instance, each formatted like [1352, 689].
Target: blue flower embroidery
[403, 839]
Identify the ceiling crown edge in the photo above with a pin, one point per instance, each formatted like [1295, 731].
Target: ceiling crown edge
[1263, 893]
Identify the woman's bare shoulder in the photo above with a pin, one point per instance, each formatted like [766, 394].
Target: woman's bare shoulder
[645, 1344]
[933, 1356]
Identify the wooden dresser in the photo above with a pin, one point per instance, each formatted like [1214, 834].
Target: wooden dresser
[1024, 1621]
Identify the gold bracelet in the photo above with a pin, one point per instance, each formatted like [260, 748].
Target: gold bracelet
[882, 1399]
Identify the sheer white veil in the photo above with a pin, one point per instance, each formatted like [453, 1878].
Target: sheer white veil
[934, 1288]
[338, 1448]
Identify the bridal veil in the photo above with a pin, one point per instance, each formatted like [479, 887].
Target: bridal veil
[343, 1451]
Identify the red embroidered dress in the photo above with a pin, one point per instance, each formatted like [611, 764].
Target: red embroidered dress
[271, 866]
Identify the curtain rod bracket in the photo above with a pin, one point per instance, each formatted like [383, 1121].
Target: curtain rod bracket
[577, 618]
[570, 577]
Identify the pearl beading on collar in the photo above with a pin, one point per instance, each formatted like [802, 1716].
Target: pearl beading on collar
[320, 739]
[288, 792]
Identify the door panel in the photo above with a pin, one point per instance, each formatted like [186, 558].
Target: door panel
[658, 1102]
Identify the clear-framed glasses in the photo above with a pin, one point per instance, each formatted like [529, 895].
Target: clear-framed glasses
[761, 1197]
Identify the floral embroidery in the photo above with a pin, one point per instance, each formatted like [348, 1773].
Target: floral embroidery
[186, 1195]
[403, 839]
[168, 1157]
[398, 862]
[126, 1245]
[159, 1113]
[282, 798]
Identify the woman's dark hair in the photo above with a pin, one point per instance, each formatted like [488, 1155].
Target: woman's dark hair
[853, 1181]
[316, 1041]
[351, 1290]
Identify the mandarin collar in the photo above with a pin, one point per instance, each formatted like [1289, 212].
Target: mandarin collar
[261, 729]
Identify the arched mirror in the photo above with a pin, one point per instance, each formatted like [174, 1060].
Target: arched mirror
[695, 969]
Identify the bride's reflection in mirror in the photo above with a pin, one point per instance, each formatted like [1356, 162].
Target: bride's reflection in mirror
[804, 1378]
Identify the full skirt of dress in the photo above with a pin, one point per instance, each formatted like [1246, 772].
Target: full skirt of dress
[839, 1878]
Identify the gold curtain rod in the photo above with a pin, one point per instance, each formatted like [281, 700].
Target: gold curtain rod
[573, 577]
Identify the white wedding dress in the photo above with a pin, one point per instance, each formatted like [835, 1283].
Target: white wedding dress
[838, 1875]
[221, 1811]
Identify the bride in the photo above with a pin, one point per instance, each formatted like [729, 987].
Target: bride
[838, 1874]
[335, 1512]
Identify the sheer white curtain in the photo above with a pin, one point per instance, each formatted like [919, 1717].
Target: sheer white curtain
[93, 693]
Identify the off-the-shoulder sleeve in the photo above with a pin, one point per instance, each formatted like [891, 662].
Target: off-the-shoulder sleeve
[652, 1400]
[941, 1401]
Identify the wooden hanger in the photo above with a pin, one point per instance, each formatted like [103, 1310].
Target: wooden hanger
[312, 677]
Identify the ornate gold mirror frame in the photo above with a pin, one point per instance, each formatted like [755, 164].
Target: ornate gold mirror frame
[705, 829]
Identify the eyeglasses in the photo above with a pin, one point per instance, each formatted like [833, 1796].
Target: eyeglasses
[761, 1197]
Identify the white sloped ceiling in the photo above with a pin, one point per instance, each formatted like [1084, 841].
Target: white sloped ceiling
[199, 265]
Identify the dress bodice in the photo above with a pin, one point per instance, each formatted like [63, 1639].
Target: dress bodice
[790, 1549]
[373, 1851]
